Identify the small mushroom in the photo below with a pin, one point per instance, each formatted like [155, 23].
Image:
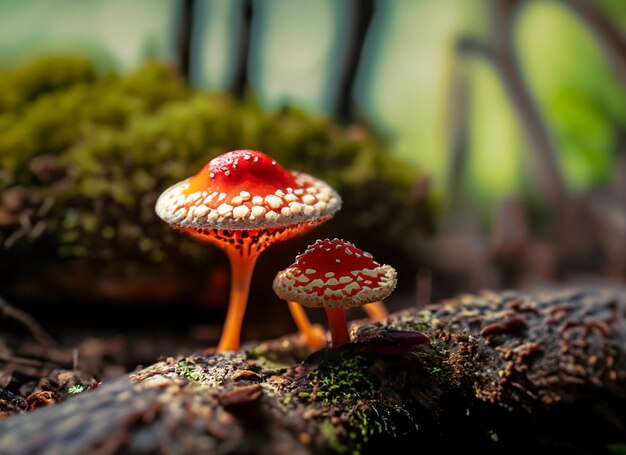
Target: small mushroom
[335, 274]
[314, 335]
[244, 201]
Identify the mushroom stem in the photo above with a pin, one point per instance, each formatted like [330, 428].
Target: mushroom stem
[337, 324]
[376, 310]
[241, 267]
[315, 337]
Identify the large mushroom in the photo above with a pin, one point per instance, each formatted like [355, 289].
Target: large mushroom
[244, 201]
[335, 275]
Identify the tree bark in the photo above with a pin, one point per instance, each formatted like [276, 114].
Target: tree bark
[497, 372]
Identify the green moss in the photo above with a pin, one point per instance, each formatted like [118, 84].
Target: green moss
[364, 423]
[342, 378]
[188, 369]
[344, 383]
[76, 389]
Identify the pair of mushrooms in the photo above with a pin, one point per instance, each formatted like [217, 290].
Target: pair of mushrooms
[244, 201]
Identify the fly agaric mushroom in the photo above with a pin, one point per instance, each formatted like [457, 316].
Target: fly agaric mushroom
[244, 201]
[335, 275]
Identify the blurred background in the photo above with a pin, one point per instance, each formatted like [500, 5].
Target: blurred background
[477, 145]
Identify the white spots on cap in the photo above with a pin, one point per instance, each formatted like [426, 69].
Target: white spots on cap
[179, 215]
[323, 196]
[295, 208]
[224, 209]
[237, 200]
[316, 283]
[272, 216]
[273, 201]
[337, 260]
[193, 197]
[241, 211]
[290, 197]
[257, 211]
[329, 274]
[310, 271]
[209, 198]
[212, 175]
[368, 272]
[310, 200]
[202, 210]
[293, 285]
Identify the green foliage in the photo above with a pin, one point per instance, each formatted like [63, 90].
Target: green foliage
[578, 92]
[346, 378]
[76, 389]
[116, 142]
[188, 370]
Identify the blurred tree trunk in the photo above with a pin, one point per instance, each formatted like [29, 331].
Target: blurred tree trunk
[240, 77]
[185, 31]
[360, 14]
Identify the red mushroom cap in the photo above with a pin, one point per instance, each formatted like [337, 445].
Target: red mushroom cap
[336, 274]
[246, 189]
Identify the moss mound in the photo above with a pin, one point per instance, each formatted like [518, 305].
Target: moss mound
[84, 156]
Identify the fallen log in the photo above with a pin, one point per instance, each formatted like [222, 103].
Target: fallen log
[501, 372]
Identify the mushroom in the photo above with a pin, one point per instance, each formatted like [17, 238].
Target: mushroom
[244, 201]
[335, 274]
[316, 337]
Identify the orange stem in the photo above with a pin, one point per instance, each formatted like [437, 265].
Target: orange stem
[241, 267]
[314, 336]
[376, 310]
[337, 324]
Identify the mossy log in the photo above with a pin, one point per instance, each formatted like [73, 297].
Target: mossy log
[497, 372]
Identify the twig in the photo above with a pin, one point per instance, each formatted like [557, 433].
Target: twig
[27, 362]
[40, 335]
